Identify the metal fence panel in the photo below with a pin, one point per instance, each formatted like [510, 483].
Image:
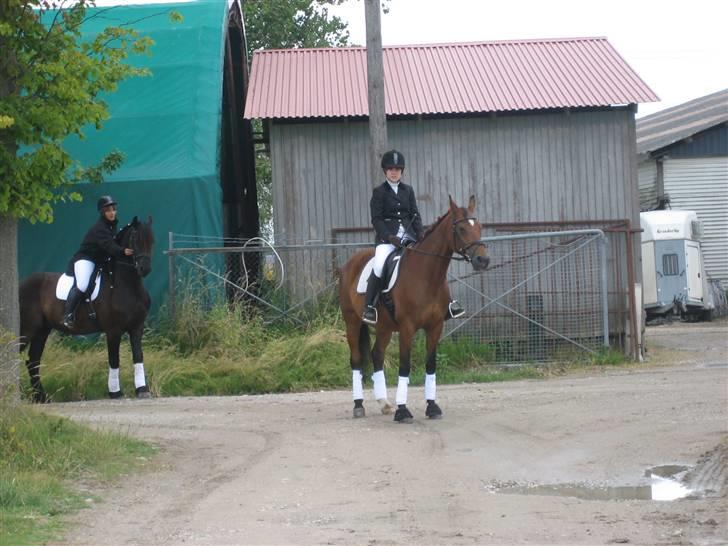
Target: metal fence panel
[544, 298]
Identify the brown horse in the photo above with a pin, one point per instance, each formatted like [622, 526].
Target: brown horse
[122, 306]
[420, 297]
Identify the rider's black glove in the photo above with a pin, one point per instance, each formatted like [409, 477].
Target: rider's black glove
[396, 241]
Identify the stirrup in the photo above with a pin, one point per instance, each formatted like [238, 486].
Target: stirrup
[69, 320]
[367, 315]
[455, 310]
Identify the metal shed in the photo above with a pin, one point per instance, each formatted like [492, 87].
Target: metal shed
[541, 131]
[683, 153]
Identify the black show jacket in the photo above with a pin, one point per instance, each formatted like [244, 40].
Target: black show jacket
[390, 210]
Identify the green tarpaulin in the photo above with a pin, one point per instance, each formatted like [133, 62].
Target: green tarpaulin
[167, 125]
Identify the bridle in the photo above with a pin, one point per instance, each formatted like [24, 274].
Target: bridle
[462, 250]
[137, 256]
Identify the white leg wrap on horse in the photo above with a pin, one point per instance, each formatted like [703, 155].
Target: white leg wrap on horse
[114, 385]
[430, 386]
[402, 390]
[139, 379]
[380, 385]
[356, 385]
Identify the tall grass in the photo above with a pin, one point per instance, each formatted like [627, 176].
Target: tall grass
[213, 348]
[39, 456]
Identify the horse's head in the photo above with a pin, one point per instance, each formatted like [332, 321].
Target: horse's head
[466, 235]
[139, 237]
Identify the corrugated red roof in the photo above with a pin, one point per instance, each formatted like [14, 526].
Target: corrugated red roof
[444, 79]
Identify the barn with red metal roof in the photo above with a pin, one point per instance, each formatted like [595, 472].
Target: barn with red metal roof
[541, 131]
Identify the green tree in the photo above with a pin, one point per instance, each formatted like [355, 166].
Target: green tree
[283, 25]
[51, 86]
[293, 23]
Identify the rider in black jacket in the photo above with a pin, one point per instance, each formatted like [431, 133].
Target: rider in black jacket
[397, 223]
[97, 245]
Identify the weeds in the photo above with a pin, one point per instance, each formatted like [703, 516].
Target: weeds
[212, 347]
[39, 456]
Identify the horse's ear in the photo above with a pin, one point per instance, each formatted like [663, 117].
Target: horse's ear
[149, 220]
[471, 203]
[135, 221]
[453, 206]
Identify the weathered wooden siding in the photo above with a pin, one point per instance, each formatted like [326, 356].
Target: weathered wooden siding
[522, 168]
[547, 167]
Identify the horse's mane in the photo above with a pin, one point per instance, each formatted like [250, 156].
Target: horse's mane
[432, 227]
[144, 231]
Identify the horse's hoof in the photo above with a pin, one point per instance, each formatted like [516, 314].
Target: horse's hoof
[385, 406]
[116, 395]
[143, 393]
[403, 415]
[359, 412]
[433, 411]
[40, 399]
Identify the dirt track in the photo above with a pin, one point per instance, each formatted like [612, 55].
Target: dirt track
[296, 469]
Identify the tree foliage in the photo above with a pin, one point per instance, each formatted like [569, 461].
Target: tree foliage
[52, 81]
[293, 23]
[284, 25]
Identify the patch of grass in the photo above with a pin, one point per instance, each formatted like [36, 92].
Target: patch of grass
[39, 457]
[220, 349]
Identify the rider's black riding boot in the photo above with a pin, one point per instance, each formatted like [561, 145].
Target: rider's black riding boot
[74, 298]
[374, 284]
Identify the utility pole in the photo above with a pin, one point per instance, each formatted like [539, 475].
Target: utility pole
[375, 89]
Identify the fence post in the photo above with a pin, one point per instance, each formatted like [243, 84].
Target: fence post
[605, 287]
[171, 277]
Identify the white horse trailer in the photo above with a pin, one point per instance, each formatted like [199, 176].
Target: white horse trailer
[673, 271]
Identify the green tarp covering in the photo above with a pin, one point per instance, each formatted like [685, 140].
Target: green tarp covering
[168, 127]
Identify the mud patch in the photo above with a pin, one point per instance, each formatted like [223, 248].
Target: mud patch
[710, 474]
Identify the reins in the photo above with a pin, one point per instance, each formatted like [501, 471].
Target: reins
[462, 251]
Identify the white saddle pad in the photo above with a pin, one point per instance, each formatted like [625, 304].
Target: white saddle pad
[361, 287]
[65, 282]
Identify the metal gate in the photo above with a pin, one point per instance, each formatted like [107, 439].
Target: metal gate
[544, 297]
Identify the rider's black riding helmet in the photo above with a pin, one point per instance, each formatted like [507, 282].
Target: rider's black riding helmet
[392, 158]
[104, 201]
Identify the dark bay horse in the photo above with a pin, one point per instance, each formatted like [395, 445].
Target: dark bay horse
[122, 306]
[420, 296]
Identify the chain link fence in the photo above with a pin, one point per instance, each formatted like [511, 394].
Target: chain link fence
[544, 297]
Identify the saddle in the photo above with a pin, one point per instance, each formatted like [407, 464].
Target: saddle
[390, 273]
[65, 283]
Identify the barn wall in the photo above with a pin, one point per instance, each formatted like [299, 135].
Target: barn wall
[710, 143]
[647, 176]
[701, 185]
[523, 168]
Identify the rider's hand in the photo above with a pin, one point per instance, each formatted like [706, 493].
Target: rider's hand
[128, 252]
[396, 241]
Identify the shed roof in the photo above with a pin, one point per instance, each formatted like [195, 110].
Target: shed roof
[444, 79]
[674, 124]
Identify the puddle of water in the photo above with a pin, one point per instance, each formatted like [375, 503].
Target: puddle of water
[664, 486]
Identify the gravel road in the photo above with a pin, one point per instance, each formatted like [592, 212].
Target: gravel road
[555, 461]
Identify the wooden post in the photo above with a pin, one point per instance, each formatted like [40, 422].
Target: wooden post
[375, 90]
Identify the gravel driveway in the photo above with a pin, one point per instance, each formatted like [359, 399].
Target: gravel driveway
[555, 461]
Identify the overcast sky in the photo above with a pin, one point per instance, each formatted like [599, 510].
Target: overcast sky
[679, 48]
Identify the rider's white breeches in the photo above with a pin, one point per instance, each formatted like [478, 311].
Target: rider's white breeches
[82, 270]
[380, 256]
